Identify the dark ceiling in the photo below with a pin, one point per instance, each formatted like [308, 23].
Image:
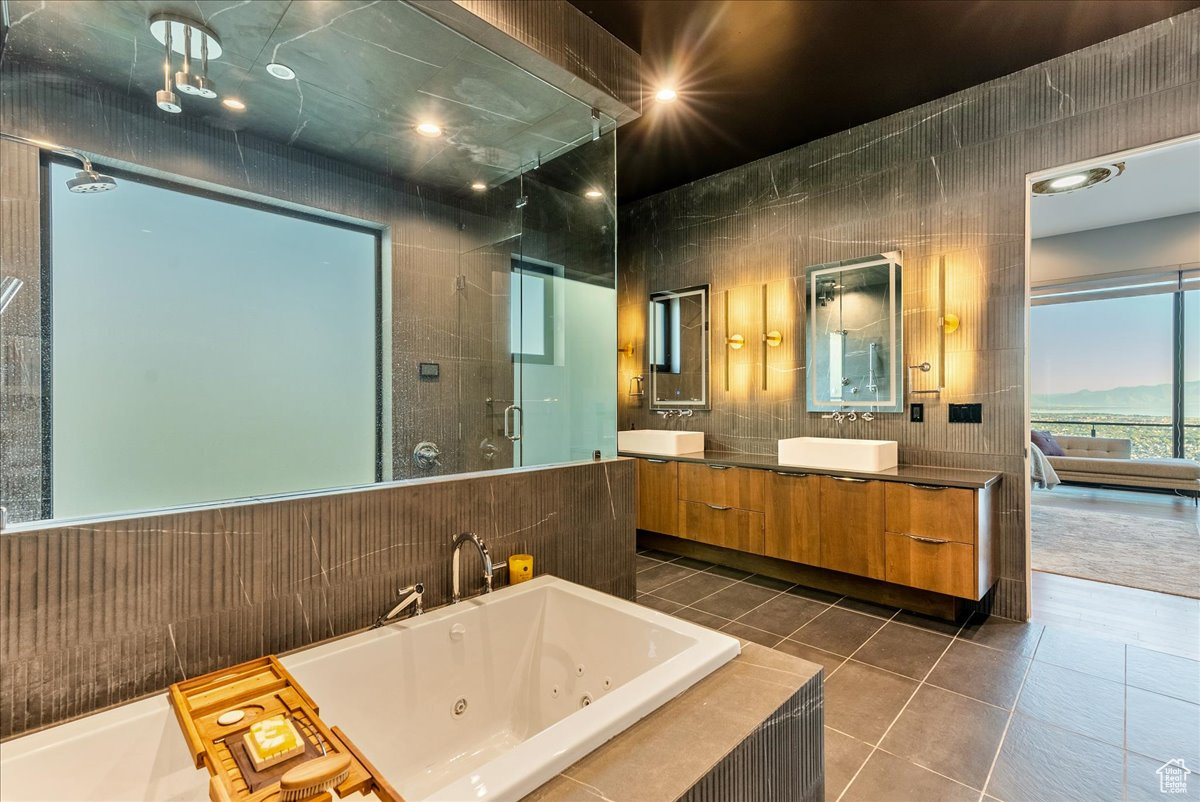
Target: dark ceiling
[756, 77]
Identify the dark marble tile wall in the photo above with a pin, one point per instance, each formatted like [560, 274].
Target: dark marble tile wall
[945, 179]
[98, 614]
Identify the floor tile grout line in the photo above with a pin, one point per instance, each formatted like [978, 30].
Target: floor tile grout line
[743, 615]
[861, 645]
[1125, 724]
[1008, 722]
[875, 747]
[691, 605]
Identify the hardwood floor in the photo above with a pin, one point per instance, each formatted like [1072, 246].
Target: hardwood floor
[1157, 620]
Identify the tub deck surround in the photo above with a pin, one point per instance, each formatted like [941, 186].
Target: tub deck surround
[915, 474]
[487, 699]
[750, 730]
[97, 614]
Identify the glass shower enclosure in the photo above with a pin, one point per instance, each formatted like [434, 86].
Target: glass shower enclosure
[541, 297]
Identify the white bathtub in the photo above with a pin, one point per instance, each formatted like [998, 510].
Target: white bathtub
[548, 671]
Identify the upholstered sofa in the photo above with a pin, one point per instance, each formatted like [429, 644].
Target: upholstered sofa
[1108, 461]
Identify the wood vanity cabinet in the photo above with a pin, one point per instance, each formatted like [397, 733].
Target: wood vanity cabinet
[852, 521]
[793, 517]
[658, 496]
[923, 536]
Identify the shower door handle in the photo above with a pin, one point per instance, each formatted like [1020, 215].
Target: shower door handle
[512, 423]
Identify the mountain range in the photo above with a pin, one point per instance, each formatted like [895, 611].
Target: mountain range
[1150, 399]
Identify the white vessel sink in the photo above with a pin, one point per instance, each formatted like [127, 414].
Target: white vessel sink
[660, 441]
[838, 454]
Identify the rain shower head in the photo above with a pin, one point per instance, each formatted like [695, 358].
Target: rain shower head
[86, 180]
[91, 181]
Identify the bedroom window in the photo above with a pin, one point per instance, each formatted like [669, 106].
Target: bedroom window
[1120, 358]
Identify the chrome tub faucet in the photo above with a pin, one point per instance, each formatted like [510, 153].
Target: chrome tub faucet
[456, 584]
[410, 597]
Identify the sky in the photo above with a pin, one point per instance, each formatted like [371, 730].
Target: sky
[1099, 345]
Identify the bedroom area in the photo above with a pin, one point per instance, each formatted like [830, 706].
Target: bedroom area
[1114, 368]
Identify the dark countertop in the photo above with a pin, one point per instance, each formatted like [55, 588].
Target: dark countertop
[916, 474]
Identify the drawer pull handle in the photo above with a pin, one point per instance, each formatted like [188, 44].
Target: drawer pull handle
[933, 540]
[657, 461]
[849, 479]
[720, 467]
[717, 507]
[790, 473]
[925, 487]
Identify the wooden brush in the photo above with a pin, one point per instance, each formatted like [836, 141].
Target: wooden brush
[313, 777]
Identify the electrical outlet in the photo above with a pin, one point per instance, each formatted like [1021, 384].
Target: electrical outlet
[916, 413]
[966, 413]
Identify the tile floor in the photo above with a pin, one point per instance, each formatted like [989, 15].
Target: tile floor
[920, 709]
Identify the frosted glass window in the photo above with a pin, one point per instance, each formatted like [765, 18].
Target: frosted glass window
[205, 350]
[531, 312]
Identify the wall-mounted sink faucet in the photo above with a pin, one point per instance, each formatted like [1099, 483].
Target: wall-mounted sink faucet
[456, 583]
[411, 598]
[851, 416]
[667, 414]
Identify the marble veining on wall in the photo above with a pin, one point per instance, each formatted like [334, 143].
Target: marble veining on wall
[942, 180]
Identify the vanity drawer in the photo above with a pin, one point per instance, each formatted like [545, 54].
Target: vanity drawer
[851, 515]
[946, 513]
[940, 565]
[720, 525]
[721, 485]
[658, 495]
[793, 502]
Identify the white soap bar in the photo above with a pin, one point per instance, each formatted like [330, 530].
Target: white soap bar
[231, 717]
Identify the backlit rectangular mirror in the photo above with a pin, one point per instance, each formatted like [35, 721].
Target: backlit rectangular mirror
[678, 348]
[855, 326]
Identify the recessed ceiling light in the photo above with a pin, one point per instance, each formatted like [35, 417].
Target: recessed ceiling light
[233, 103]
[593, 194]
[429, 129]
[281, 71]
[665, 95]
[1068, 181]
[1078, 180]
[479, 186]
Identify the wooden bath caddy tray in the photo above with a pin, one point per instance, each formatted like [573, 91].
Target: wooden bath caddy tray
[261, 688]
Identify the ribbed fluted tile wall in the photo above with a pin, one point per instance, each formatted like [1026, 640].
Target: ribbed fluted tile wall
[782, 759]
[945, 179]
[100, 614]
